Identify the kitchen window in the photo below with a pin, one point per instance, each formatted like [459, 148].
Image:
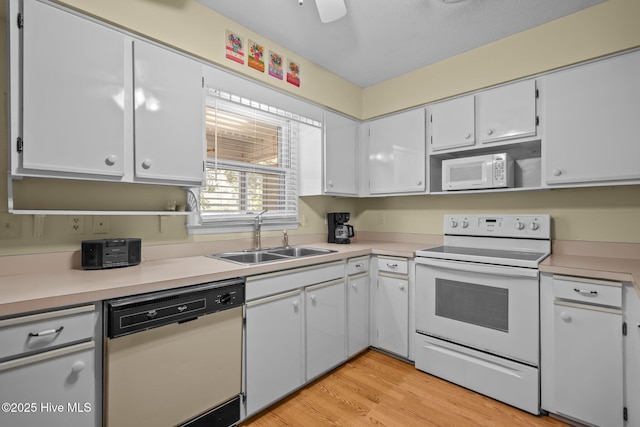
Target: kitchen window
[252, 166]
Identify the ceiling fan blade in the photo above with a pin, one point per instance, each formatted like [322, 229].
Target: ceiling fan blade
[331, 10]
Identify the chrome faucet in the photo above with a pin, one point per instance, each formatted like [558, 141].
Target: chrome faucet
[257, 226]
[285, 238]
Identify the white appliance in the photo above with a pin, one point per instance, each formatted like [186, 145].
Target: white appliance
[477, 305]
[470, 173]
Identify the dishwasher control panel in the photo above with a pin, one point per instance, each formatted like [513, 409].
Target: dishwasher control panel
[147, 311]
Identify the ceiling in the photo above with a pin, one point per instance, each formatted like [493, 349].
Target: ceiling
[381, 39]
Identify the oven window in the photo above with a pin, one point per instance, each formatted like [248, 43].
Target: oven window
[479, 305]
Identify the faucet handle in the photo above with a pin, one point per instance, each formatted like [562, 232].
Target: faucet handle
[285, 238]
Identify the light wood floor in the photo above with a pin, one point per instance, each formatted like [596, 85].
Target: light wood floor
[375, 389]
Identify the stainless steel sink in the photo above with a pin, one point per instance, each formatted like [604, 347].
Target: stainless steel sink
[299, 251]
[260, 256]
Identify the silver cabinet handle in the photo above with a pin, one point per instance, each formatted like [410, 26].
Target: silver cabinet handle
[587, 293]
[47, 332]
[392, 265]
[359, 265]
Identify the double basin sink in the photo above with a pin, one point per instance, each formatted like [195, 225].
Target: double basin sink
[259, 256]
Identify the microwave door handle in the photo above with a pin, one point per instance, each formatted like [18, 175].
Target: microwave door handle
[479, 268]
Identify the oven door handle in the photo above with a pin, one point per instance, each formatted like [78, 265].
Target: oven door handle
[499, 270]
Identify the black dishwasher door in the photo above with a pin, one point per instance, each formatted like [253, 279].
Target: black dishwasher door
[142, 312]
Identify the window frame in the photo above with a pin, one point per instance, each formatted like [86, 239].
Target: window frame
[202, 222]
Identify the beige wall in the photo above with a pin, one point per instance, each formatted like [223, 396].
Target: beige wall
[600, 214]
[193, 28]
[606, 214]
[608, 27]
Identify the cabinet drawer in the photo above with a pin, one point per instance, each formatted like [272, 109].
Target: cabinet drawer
[283, 281]
[37, 332]
[591, 291]
[357, 265]
[393, 265]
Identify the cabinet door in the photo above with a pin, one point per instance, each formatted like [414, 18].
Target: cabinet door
[392, 315]
[310, 153]
[453, 123]
[326, 327]
[591, 122]
[73, 94]
[54, 389]
[169, 116]
[588, 365]
[397, 153]
[274, 349]
[358, 313]
[507, 112]
[341, 139]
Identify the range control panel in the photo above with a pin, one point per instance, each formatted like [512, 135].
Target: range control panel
[523, 226]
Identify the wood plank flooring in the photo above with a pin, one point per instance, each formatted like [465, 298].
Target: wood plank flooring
[375, 389]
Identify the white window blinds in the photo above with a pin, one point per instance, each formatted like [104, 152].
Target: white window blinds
[252, 165]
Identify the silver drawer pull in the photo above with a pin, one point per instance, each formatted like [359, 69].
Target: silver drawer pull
[359, 265]
[47, 332]
[588, 293]
[392, 265]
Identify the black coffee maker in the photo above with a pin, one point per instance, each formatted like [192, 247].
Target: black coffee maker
[339, 230]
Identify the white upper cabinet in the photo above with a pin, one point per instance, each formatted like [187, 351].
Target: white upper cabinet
[168, 115]
[397, 155]
[98, 104]
[310, 160]
[504, 113]
[591, 122]
[73, 94]
[341, 140]
[452, 123]
[507, 112]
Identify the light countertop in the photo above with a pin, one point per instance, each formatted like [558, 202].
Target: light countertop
[617, 269]
[21, 293]
[51, 286]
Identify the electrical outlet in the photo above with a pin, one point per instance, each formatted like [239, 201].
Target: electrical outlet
[100, 224]
[75, 224]
[381, 218]
[10, 226]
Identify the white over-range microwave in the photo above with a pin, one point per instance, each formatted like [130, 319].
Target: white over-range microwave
[470, 173]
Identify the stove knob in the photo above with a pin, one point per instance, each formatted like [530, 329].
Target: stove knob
[465, 224]
[519, 225]
[533, 226]
[454, 223]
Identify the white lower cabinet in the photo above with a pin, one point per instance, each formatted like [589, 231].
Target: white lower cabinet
[588, 362]
[326, 327]
[50, 375]
[582, 373]
[295, 330]
[357, 313]
[274, 348]
[392, 314]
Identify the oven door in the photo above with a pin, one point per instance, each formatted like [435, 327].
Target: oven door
[486, 307]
